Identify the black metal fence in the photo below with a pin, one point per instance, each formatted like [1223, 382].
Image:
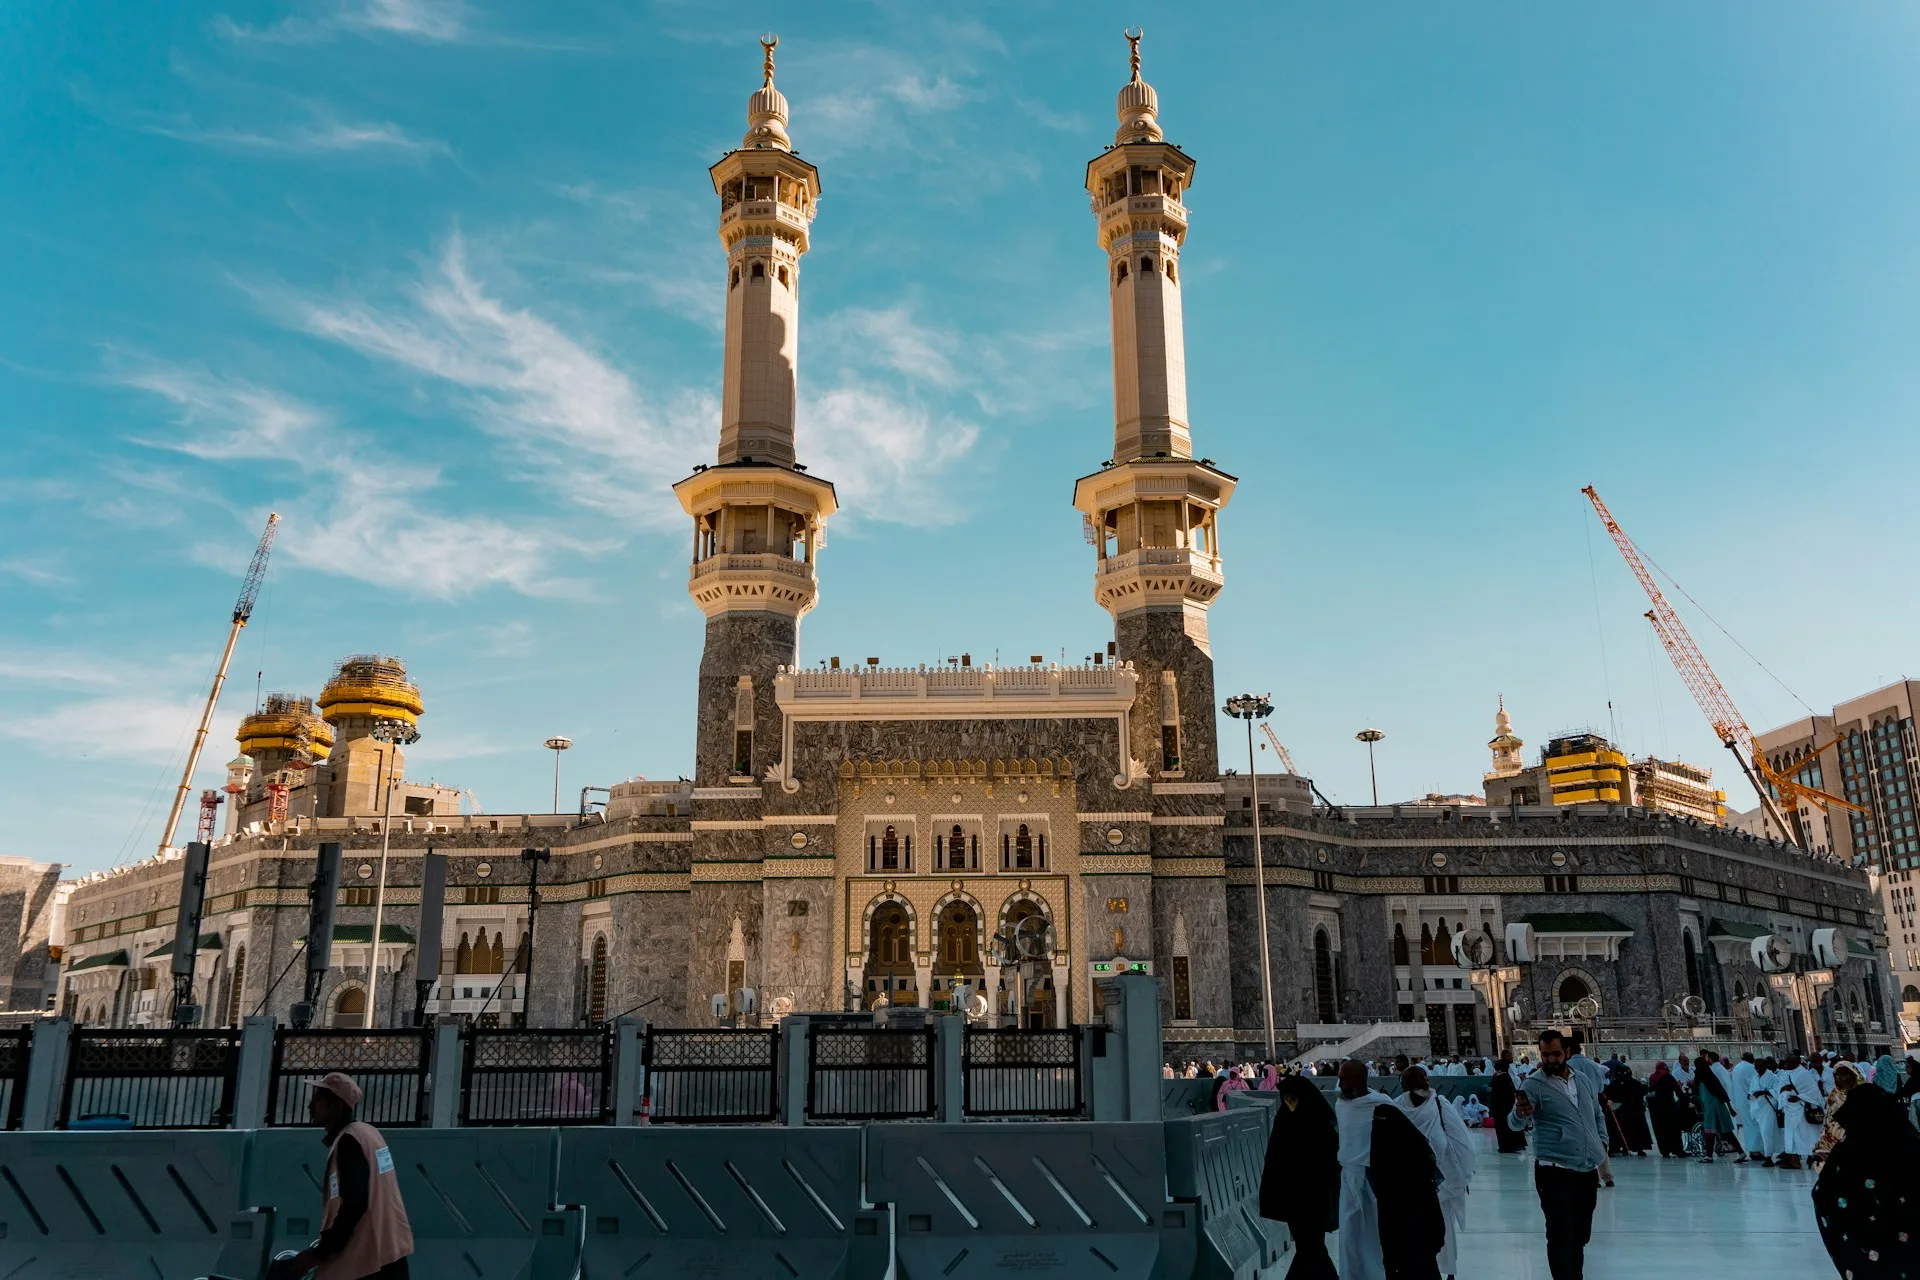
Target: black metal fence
[1022, 1073]
[712, 1077]
[16, 1046]
[524, 1075]
[170, 1079]
[869, 1073]
[392, 1069]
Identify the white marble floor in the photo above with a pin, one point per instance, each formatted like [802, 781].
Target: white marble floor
[1663, 1218]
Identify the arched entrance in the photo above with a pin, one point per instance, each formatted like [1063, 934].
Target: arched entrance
[956, 942]
[1028, 990]
[349, 1006]
[889, 968]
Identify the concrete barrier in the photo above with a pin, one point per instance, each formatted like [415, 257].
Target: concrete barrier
[980, 1200]
[78, 1206]
[1214, 1163]
[1183, 1097]
[481, 1200]
[754, 1203]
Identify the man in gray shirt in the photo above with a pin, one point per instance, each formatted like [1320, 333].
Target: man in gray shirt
[1563, 1109]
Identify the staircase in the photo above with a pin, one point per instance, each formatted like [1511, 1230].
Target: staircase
[1374, 1039]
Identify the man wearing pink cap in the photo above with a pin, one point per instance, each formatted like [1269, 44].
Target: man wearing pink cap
[364, 1233]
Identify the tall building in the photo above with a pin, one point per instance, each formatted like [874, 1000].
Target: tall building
[1674, 786]
[863, 836]
[1866, 753]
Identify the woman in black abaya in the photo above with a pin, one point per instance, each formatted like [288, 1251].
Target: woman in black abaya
[1300, 1184]
[1668, 1111]
[1868, 1197]
[1628, 1097]
[1500, 1101]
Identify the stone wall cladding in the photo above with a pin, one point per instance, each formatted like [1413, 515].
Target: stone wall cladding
[740, 644]
[1154, 640]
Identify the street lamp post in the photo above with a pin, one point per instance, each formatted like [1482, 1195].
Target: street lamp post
[556, 745]
[395, 733]
[1251, 707]
[1371, 736]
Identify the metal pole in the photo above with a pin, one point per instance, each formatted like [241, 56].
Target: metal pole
[1260, 882]
[380, 894]
[556, 782]
[1373, 776]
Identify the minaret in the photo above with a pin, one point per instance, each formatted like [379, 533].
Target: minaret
[1505, 745]
[758, 518]
[1153, 509]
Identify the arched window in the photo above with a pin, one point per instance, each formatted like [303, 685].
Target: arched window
[1146, 266]
[1440, 950]
[1426, 943]
[597, 982]
[783, 275]
[1323, 975]
[1171, 277]
[957, 849]
[759, 271]
[1023, 849]
[519, 954]
[1693, 962]
[463, 956]
[1739, 991]
[958, 944]
[890, 850]
[1399, 945]
[349, 1006]
[235, 1000]
[1573, 989]
[1121, 278]
[1910, 994]
[733, 281]
[891, 947]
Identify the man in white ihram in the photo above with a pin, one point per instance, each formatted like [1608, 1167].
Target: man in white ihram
[1447, 1134]
[1360, 1255]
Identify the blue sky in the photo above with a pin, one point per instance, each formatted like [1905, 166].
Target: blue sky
[438, 282]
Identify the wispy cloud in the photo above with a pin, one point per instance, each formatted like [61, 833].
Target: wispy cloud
[321, 136]
[38, 571]
[365, 513]
[581, 425]
[434, 21]
[130, 726]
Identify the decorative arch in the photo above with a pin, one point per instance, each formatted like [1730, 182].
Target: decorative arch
[1588, 986]
[1323, 975]
[597, 982]
[349, 1005]
[1910, 994]
[1017, 897]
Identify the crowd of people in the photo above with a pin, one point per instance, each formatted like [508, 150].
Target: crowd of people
[1391, 1175]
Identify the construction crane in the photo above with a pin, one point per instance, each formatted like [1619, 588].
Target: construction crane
[1286, 757]
[1725, 718]
[1286, 763]
[242, 610]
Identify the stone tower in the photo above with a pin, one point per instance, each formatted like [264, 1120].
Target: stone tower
[1153, 512]
[758, 521]
[1505, 745]
[758, 518]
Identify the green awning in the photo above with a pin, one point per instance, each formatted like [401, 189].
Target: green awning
[105, 960]
[1736, 929]
[1855, 947]
[208, 942]
[1576, 922]
[364, 932]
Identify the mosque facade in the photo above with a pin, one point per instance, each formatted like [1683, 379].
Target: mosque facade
[988, 837]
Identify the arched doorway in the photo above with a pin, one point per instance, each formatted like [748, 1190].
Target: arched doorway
[597, 982]
[349, 1006]
[1323, 975]
[889, 970]
[1028, 983]
[1573, 988]
[956, 949]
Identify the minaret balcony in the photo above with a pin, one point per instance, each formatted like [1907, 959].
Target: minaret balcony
[1163, 212]
[772, 214]
[1157, 575]
[764, 582]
